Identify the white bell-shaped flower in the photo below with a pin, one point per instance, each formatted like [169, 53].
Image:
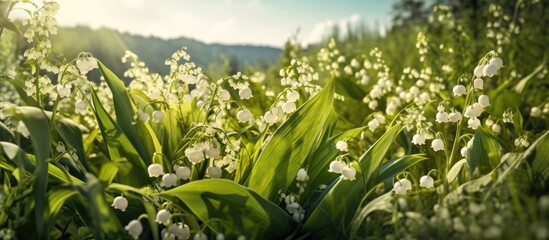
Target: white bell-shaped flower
[163, 216]
[270, 118]
[535, 112]
[473, 123]
[437, 145]
[180, 230]
[214, 172]
[484, 101]
[497, 62]
[489, 70]
[418, 139]
[292, 96]
[245, 93]
[342, 146]
[289, 107]
[406, 184]
[81, 105]
[183, 173]
[63, 91]
[134, 228]
[298, 216]
[454, 116]
[459, 90]
[166, 235]
[213, 152]
[86, 64]
[427, 182]
[496, 128]
[143, 117]
[464, 151]
[244, 115]
[442, 117]
[373, 124]
[336, 166]
[399, 189]
[155, 170]
[194, 155]
[120, 202]
[224, 95]
[169, 180]
[348, 173]
[60, 147]
[302, 175]
[478, 72]
[478, 83]
[158, 116]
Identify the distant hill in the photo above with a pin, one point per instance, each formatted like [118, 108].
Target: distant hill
[109, 45]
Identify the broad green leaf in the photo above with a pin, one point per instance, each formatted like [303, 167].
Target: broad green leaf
[397, 165]
[324, 155]
[455, 170]
[71, 134]
[238, 210]
[119, 147]
[21, 159]
[540, 163]
[19, 86]
[345, 194]
[140, 134]
[57, 197]
[381, 203]
[519, 88]
[5, 134]
[346, 86]
[290, 145]
[37, 123]
[102, 220]
[485, 153]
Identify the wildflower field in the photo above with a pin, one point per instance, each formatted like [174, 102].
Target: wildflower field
[435, 130]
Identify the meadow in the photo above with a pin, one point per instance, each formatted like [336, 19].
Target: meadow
[435, 130]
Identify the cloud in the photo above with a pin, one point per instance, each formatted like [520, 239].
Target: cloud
[325, 28]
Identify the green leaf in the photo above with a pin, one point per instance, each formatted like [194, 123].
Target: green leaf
[485, 153]
[454, 171]
[290, 145]
[102, 220]
[345, 194]
[324, 155]
[381, 203]
[57, 197]
[397, 165]
[21, 159]
[524, 81]
[37, 123]
[140, 134]
[346, 86]
[119, 147]
[19, 86]
[232, 209]
[5, 134]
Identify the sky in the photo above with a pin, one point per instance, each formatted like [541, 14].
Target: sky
[257, 22]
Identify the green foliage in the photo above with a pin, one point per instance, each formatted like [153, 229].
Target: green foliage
[290, 145]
